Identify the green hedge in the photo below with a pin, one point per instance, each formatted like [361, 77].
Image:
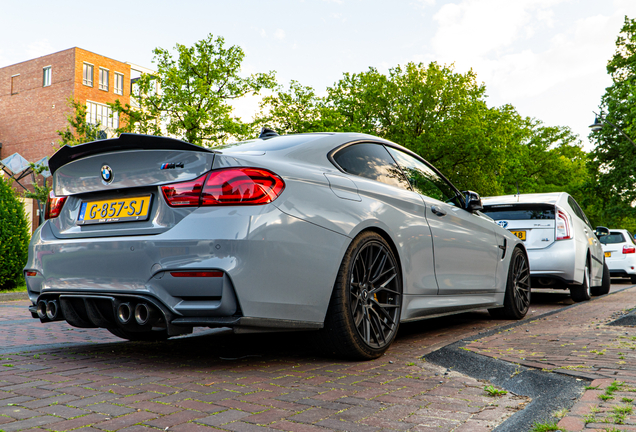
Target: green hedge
[14, 237]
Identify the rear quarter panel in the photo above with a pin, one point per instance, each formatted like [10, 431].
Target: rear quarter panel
[397, 213]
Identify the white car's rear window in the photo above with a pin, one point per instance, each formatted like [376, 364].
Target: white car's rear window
[612, 238]
[519, 211]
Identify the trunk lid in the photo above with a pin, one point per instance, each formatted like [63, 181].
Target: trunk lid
[123, 179]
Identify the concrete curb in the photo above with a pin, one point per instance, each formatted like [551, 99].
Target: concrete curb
[23, 295]
[549, 390]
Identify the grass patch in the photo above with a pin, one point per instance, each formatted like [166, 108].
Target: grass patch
[560, 413]
[544, 427]
[20, 288]
[492, 391]
[613, 387]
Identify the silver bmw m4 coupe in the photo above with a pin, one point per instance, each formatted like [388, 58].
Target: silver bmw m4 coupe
[345, 234]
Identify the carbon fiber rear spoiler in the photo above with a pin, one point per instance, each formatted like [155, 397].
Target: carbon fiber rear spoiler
[126, 141]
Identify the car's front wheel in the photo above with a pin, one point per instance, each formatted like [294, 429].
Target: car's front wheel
[582, 292]
[364, 311]
[517, 296]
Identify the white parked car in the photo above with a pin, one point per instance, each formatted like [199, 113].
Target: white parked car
[563, 248]
[620, 253]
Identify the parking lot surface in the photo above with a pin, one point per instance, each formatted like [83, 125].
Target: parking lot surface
[54, 377]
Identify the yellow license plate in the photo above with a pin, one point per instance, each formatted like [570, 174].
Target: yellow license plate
[114, 210]
[520, 234]
[608, 254]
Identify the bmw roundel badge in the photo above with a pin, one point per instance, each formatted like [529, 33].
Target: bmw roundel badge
[107, 174]
[502, 223]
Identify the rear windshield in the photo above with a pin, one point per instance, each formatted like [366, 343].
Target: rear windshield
[614, 237]
[519, 211]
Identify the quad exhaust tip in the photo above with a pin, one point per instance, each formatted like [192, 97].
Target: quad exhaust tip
[143, 314]
[42, 310]
[124, 313]
[48, 310]
[52, 310]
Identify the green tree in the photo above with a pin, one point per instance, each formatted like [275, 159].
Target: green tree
[443, 116]
[14, 237]
[194, 95]
[298, 110]
[612, 190]
[41, 187]
[78, 130]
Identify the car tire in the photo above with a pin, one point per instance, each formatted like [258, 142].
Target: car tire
[364, 311]
[633, 279]
[518, 293]
[605, 284]
[580, 293]
[146, 336]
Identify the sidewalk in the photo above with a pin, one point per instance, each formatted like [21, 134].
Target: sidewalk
[579, 341]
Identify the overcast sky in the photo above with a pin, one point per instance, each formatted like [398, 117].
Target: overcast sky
[545, 57]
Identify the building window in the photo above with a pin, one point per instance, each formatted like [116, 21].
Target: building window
[102, 114]
[119, 83]
[15, 79]
[46, 76]
[88, 74]
[103, 79]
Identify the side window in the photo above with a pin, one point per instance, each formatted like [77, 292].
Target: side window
[423, 179]
[371, 161]
[578, 211]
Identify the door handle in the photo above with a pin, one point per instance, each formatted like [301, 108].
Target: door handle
[438, 211]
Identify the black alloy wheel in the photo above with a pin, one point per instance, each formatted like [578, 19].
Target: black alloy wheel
[364, 312]
[374, 295]
[518, 294]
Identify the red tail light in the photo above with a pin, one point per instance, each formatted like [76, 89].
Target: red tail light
[562, 226]
[229, 186]
[53, 206]
[184, 194]
[197, 274]
[629, 249]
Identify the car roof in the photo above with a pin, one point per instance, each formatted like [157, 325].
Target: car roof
[537, 198]
[306, 143]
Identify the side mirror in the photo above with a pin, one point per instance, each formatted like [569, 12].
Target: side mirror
[473, 201]
[601, 231]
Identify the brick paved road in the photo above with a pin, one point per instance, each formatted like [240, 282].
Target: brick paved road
[54, 377]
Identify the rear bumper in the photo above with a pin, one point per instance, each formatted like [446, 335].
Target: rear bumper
[276, 269]
[621, 273]
[622, 267]
[123, 311]
[556, 261]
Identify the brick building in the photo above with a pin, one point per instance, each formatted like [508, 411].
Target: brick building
[34, 98]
